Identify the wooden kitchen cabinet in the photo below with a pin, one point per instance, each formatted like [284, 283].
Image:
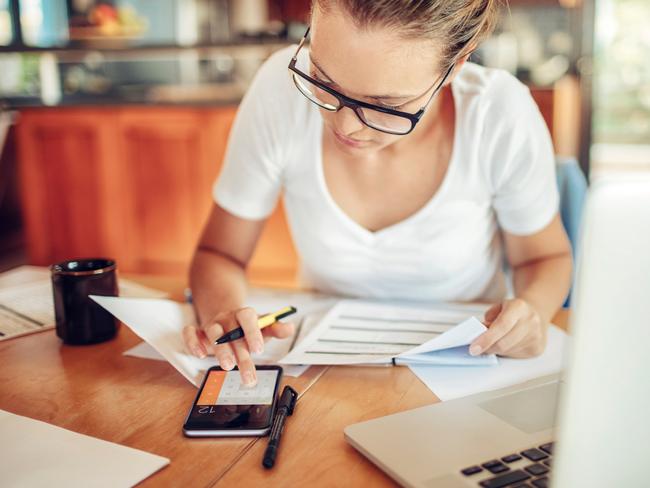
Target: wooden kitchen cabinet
[132, 183]
[169, 160]
[68, 182]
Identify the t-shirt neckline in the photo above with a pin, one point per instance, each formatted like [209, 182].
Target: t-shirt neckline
[415, 216]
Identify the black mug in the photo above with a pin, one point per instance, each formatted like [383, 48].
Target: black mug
[79, 319]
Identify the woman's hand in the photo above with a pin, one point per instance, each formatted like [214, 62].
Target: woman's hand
[515, 329]
[201, 340]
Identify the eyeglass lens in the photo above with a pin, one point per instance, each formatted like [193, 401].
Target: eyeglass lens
[373, 118]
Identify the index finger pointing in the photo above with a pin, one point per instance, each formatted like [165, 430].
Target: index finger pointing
[223, 352]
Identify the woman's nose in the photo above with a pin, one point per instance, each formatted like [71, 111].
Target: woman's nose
[347, 122]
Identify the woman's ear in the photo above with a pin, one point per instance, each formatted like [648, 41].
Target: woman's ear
[462, 61]
[458, 66]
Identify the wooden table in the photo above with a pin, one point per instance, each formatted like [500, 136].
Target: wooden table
[141, 403]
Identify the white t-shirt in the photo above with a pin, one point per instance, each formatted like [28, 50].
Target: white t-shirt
[501, 176]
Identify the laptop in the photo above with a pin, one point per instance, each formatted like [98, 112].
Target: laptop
[506, 437]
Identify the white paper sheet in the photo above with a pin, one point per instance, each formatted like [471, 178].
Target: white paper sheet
[146, 351]
[23, 274]
[455, 382]
[35, 454]
[29, 306]
[362, 331]
[160, 324]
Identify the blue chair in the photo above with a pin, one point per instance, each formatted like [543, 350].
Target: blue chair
[572, 186]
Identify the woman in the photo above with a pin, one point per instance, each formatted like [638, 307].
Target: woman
[407, 172]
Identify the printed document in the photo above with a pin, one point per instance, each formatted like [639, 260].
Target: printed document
[364, 331]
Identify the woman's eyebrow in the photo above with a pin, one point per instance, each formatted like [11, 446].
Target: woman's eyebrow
[374, 97]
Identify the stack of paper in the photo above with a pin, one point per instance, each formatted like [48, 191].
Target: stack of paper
[160, 323]
[431, 340]
[352, 332]
[362, 331]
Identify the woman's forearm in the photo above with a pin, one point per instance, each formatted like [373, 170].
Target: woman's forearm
[218, 284]
[544, 283]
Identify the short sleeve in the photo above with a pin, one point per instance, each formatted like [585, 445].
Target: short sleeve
[524, 187]
[251, 176]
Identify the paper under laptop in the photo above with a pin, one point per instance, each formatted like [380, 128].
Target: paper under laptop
[366, 331]
[450, 382]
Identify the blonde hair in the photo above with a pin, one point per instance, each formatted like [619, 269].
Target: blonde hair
[457, 25]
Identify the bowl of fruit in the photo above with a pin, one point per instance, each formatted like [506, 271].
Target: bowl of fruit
[107, 25]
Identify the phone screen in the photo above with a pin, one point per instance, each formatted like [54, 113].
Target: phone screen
[224, 403]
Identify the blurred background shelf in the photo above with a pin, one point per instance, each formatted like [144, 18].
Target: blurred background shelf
[121, 130]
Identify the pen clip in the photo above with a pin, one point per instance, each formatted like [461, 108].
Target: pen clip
[288, 399]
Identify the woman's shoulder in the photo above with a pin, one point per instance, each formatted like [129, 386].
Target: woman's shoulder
[272, 90]
[273, 75]
[499, 112]
[496, 91]
[474, 79]
[275, 67]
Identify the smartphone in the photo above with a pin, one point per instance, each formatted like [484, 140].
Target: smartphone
[224, 407]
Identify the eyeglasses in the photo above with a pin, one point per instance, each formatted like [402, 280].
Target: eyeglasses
[374, 116]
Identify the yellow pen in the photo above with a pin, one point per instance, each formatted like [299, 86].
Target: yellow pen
[262, 322]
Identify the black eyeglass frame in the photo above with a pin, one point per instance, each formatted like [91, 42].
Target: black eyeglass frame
[354, 105]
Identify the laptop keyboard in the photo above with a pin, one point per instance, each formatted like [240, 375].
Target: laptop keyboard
[529, 468]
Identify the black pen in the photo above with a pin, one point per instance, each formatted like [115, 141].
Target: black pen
[285, 408]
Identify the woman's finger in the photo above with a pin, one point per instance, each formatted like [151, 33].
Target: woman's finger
[245, 363]
[209, 346]
[509, 342]
[530, 346]
[281, 330]
[247, 320]
[501, 325]
[193, 342]
[223, 352]
[492, 313]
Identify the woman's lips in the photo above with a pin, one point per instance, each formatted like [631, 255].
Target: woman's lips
[348, 141]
